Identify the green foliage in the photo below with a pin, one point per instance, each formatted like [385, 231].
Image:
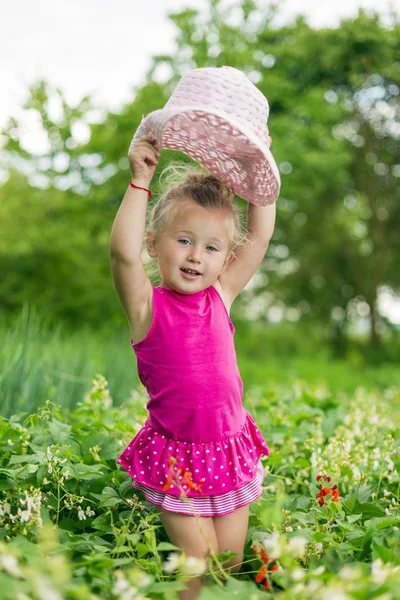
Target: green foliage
[71, 525]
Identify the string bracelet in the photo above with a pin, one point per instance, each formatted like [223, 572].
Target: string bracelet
[150, 195]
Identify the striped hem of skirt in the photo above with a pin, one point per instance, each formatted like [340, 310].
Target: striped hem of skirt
[207, 506]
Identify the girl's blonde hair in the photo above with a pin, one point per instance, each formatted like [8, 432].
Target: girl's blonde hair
[182, 181]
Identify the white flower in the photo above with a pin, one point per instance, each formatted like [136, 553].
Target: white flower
[25, 515]
[298, 574]
[144, 580]
[9, 442]
[272, 544]
[194, 566]
[5, 509]
[390, 463]
[378, 571]
[356, 472]
[297, 546]
[172, 562]
[348, 573]
[81, 514]
[319, 547]
[387, 512]
[289, 529]
[319, 570]
[10, 564]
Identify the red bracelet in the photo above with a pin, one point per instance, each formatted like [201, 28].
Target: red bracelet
[150, 195]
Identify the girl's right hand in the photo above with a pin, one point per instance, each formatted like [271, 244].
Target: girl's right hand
[143, 159]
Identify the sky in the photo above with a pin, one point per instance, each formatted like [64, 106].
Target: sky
[104, 49]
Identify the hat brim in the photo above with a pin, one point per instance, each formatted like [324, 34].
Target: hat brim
[238, 157]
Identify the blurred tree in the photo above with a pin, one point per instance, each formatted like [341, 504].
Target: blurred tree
[334, 114]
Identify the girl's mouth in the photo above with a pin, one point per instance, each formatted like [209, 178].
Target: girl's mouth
[188, 274]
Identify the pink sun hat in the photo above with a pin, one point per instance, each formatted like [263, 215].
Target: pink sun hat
[218, 117]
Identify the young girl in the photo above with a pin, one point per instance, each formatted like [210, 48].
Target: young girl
[183, 339]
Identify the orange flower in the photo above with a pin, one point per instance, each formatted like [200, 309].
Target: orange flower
[187, 476]
[261, 574]
[264, 556]
[167, 485]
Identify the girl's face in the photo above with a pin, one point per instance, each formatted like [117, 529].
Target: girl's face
[196, 240]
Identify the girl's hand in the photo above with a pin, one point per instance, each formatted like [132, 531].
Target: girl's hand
[143, 159]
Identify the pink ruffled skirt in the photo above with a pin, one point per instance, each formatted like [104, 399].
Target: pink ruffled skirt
[229, 469]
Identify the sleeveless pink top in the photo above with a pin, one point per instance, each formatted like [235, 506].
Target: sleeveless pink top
[187, 362]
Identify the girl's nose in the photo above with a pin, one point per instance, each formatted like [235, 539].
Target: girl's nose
[195, 253]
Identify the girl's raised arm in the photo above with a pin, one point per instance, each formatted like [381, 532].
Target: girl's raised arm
[130, 280]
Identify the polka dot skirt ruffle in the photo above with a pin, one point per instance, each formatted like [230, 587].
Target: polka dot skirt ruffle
[207, 506]
[223, 466]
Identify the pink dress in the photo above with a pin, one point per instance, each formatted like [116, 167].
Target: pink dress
[188, 364]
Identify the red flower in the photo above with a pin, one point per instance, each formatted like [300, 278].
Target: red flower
[264, 556]
[275, 567]
[266, 584]
[261, 574]
[325, 491]
[199, 485]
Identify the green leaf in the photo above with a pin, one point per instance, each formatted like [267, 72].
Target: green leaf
[60, 432]
[353, 518]
[109, 497]
[134, 538]
[82, 471]
[102, 522]
[386, 554]
[142, 550]
[164, 546]
[17, 459]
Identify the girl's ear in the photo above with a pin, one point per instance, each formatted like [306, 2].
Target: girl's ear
[150, 244]
[228, 261]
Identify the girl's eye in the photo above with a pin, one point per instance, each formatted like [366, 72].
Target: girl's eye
[216, 250]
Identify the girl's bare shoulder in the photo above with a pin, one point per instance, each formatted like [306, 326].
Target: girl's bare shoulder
[225, 300]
